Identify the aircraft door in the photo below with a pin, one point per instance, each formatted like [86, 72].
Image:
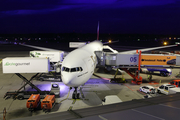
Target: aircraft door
[89, 64]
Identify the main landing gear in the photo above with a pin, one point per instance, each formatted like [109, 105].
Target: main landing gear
[75, 94]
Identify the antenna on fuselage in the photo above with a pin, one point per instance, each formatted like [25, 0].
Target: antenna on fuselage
[98, 31]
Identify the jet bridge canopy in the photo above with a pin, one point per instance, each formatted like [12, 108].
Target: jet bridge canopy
[116, 59]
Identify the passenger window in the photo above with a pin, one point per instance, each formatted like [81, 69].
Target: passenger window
[45, 101]
[161, 87]
[176, 83]
[166, 88]
[172, 82]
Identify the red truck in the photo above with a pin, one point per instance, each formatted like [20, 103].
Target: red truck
[175, 82]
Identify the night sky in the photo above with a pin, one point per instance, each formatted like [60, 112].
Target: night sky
[82, 16]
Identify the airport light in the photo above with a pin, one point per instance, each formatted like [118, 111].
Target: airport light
[109, 41]
[165, 43]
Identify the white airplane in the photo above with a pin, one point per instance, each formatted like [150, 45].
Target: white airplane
[79, 65]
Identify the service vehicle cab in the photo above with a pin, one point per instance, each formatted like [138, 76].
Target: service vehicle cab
[48, 102]
[167, 89]
[147, 89]
[33, 102]
[175, 82]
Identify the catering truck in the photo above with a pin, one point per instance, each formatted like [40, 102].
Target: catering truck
[25, 65]
[18, 65]
[54, 56]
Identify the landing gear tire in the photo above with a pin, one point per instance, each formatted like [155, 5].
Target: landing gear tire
[74, 96]
[20, 97]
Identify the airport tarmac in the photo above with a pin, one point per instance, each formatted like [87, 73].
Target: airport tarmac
[92, 91]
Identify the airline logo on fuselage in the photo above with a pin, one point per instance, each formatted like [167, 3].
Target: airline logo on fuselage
[82, 74]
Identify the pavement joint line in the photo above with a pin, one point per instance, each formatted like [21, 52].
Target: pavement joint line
[102, 117]
[74, 101]
[147, 114]
[82, 93]
[75, 114]
[70, 108]
[169, 106]
[129, 87]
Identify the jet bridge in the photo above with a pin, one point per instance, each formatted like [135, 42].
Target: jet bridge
[19, 65]
[126, 61]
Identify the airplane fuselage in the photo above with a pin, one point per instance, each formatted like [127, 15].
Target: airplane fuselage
[78, 66]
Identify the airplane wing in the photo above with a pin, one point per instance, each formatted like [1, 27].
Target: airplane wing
[125, 52]
[146, 49]
[41, 48]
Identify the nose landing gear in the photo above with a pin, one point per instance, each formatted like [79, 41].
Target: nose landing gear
[75, 94]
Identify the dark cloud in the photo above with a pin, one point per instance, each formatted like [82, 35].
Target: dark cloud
[115, 16]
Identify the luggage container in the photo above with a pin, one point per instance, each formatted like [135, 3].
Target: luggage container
[33, 102]
[48, 102]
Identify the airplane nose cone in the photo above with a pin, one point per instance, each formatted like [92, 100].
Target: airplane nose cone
[67, 79]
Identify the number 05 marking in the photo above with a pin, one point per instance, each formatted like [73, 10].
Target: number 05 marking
[133, 59]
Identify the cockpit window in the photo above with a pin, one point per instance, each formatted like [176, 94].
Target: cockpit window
[73, 70]
[65, 69]
[76, 69]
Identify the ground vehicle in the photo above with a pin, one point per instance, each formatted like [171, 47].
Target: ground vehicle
[175, 82]
[33, 102]
[147, 89]
[54, 56]
[25, 65]
[111, 99]
[50, 78]
[163, 72]
[168, 89]
[48, 102]
[55, 89]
